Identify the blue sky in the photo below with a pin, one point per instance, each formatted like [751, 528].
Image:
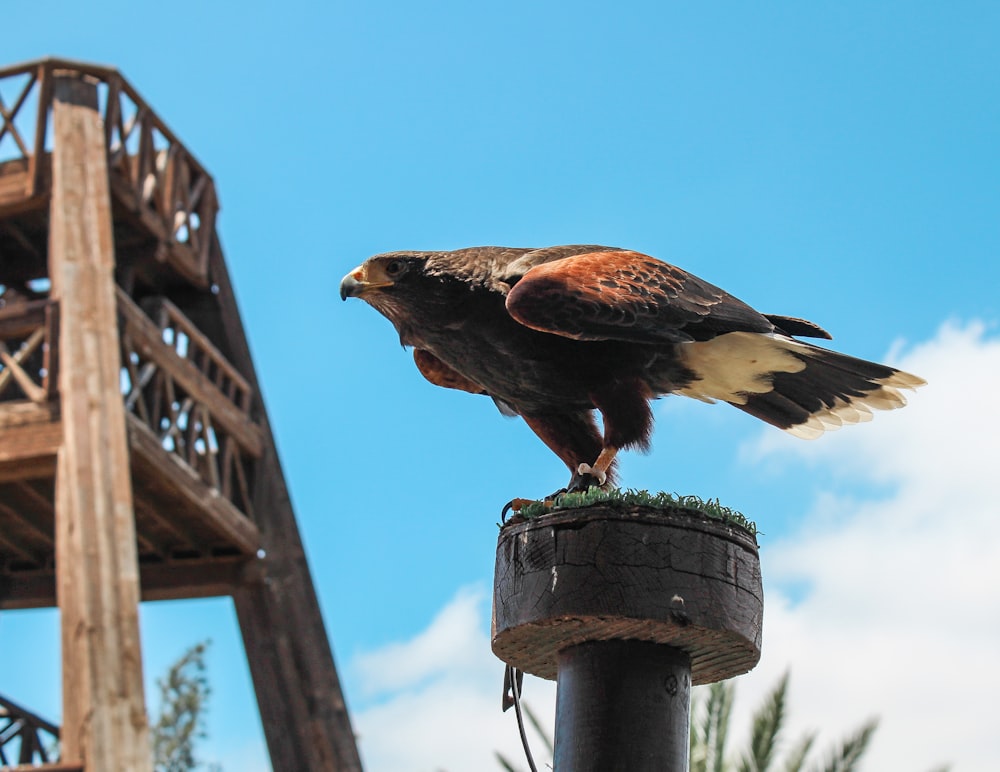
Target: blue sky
[836, 161]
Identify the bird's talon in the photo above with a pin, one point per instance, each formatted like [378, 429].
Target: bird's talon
[515, 506]
[586, 478]
[586, 470]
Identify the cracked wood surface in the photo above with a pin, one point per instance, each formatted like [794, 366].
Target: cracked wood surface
[673, 576]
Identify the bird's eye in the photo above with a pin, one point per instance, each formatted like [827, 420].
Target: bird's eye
[395, 268]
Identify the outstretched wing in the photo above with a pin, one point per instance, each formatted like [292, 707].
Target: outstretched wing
[623, 295]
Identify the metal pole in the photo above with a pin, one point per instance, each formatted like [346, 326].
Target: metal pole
[622, 705]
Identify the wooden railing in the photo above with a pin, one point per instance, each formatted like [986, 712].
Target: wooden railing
[150, 170]
[173, 379]
[28, 350]
[21, 736]
[184, 391]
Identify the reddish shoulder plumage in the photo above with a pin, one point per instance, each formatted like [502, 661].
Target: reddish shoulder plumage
[623, 295]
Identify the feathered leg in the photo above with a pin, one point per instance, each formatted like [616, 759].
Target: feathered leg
[628, 423]
[574, 437]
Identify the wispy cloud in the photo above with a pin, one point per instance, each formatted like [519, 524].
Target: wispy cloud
[449, 648]
[439, 706]
[900, 616]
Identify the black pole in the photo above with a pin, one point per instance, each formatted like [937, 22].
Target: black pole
[622, 705]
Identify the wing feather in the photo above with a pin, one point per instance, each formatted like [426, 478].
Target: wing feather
[623, 295]
[440, 374]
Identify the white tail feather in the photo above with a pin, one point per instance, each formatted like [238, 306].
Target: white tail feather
[735, 366]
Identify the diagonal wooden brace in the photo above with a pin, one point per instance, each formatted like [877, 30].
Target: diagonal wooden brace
[13, 369]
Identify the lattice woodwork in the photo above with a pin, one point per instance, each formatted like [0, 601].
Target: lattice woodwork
[153, 175]
[24, 737]
[212, 513]
[177, 383]
[27, 351]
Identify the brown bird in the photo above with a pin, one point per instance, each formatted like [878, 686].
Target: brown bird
[554, 334]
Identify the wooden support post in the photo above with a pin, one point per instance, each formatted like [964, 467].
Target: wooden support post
[97, 577]
[626, 608]
[301, 705]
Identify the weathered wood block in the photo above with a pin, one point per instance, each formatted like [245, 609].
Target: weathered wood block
[667, 576]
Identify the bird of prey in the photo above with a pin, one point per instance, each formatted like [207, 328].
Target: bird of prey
[555, 334]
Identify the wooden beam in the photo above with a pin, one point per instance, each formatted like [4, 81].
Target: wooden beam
[30, 436]
[14, 231]
[40, 531]
[160, 467]
[28, 468]
[19, 413]
[209, 578]
[13, 180]
[26, 543]
[27, 589]
[30, 441]
[301, 704]
[22, 319]
[172, 580]
[97, 579]
[36, 178]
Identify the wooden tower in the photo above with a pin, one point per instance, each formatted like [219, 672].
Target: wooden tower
[136, 459]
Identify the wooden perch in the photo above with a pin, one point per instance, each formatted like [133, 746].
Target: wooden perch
[626, 607]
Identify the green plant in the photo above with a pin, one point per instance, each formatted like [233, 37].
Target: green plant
[184, 693]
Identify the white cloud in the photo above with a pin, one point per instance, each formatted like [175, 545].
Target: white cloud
[900, 616]
[902, 613]
[442, 691]
[447, 648]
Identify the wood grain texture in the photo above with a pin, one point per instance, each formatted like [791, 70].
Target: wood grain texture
[673, 577]
[104, 712]
[30, 437]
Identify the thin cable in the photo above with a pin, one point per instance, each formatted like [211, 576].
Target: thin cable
[512, 674]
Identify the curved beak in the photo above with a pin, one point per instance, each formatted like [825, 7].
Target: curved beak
[351, 285]
[362, 280]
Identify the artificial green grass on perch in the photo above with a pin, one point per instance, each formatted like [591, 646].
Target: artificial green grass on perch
[626, 498]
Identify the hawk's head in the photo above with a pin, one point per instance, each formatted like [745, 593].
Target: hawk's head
[390, 283]
[379, 273]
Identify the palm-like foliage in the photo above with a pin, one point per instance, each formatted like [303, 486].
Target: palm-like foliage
[710, 729]
[710, 722]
